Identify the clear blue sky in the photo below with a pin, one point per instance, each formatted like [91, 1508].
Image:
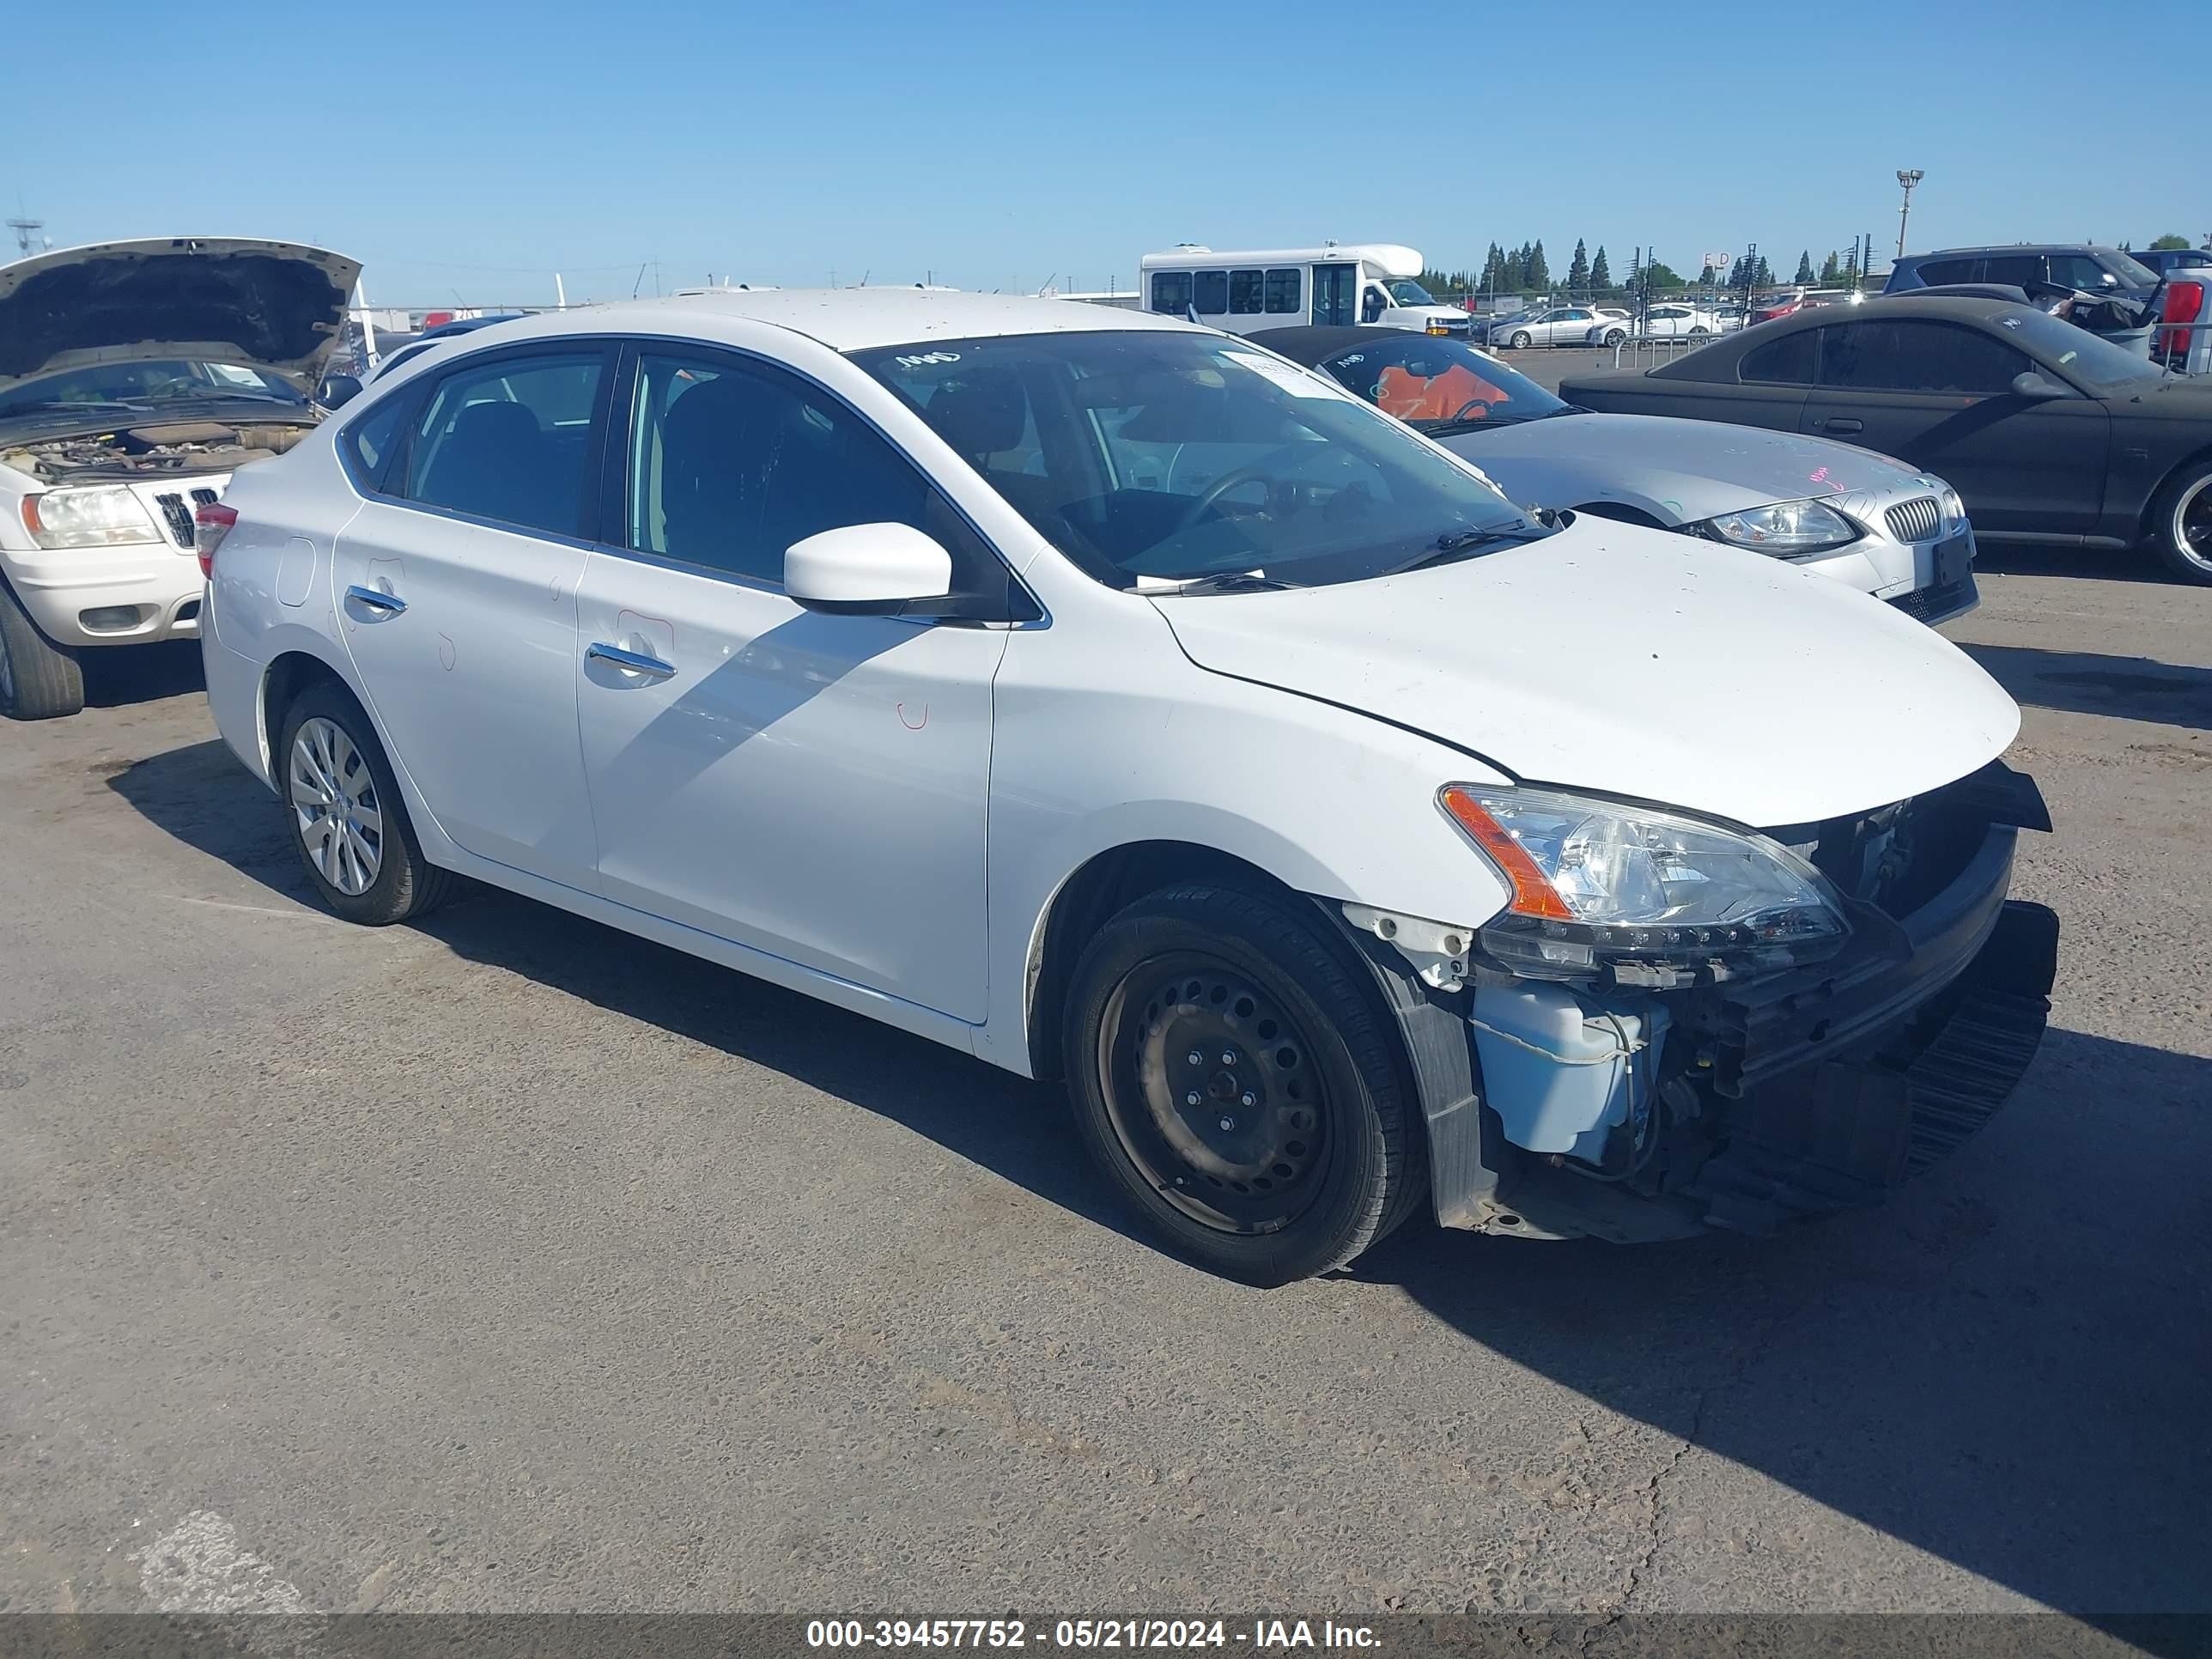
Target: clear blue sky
[472, 150]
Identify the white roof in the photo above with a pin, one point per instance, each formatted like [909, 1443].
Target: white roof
[1394, 259]
[850, 319]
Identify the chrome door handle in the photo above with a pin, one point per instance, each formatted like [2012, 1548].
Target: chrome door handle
[389, 604]
[637, 662]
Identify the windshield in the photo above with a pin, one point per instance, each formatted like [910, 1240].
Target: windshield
[1407, 292]
[1432, 380]
[166, 382]
[2084, 358]
[2132, 272]
[1177, 455]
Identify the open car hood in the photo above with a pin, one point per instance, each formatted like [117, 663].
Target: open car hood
[278, 306]
[1629, 661]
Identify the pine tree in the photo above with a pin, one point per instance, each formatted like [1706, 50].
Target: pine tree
[1600, 277]
[1830, 272]
[1762, 277]
[1804, 267]
[1578, 269]
[1493, 271]
[1739, 272]
[1540, 273]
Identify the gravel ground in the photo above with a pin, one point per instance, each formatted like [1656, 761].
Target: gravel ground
[511, 1263]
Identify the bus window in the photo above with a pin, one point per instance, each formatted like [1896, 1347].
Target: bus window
[1210, 292]
[1171, 292]
[1245, 293]
[1284, 291]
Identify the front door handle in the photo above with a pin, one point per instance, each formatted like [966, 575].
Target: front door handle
[384, 604]
[636, 662]
[1843, 423]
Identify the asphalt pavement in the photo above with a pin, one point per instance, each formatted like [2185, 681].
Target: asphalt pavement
[510, 1262]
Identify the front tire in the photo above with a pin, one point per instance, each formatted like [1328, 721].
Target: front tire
[39, 679]
[1240, 1085]
[1520, 341]
[2181, 524]
[348, 821]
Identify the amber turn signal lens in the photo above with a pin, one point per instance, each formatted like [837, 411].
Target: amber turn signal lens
[1533, 896]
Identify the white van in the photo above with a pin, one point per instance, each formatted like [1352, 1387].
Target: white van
[1280, 287]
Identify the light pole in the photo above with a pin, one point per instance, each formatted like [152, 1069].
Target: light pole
[1908, 177]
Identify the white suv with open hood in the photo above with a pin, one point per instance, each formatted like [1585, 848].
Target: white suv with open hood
[134, 378]
[1110, 698]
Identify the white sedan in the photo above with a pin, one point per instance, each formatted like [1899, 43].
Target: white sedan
[1111, 699]
[1667, 322]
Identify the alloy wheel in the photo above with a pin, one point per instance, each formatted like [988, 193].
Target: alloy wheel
[334, 796]
[1213, 1091]
[2193, 524]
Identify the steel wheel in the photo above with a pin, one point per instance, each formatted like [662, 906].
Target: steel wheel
[341, 817]
[2191, 533]
[1212, 1094]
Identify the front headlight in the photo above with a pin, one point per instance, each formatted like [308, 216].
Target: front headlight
[108, 516]
[1954, 510]
[1646, 896]
[1788, 529]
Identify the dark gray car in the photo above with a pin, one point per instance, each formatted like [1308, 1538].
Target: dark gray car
[2029, 266]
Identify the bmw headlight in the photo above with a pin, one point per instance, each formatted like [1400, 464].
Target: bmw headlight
[1644, 897]
[1788, 529]
[1954, 510]
[108, 516]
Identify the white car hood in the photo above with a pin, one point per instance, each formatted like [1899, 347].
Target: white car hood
[1634, 662]
[278, 306]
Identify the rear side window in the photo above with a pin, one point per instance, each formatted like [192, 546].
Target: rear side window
[2017, 270]
[1935, 272]
[370, 440]
[1171, 292]
[1918, 356]
[1243, 293]
[1210, 292]
[1786, 361]
[1285, 290]
[510, 441]
[730, 464]
[2078, 271]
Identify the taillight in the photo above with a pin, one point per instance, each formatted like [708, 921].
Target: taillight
[2185, 302]
[211, 523]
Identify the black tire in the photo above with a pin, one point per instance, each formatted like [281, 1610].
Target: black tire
[1520, 342]
[1613, 336]
[1307, 1052]
[39, 679]
[406, 885]
[2181, 523]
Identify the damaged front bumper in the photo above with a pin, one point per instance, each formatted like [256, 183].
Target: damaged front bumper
[1743, 1106]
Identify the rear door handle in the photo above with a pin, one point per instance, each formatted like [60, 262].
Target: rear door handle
[636, 662]
[387, 604]
[1842, 423]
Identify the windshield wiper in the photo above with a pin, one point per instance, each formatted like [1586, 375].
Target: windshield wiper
[1232, 582]
[1457, 543]
[74, 404]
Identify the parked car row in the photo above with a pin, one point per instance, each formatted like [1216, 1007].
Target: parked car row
[2050, 434]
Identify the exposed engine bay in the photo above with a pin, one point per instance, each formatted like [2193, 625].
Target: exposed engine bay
[153, 449]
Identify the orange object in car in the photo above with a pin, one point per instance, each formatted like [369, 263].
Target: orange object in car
[1411, 397]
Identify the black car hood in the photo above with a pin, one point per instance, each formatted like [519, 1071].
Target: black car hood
[278, 306]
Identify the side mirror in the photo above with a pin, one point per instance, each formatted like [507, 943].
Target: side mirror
[336, 391]
[2030, 385]
[1371, 308]
[867, 569]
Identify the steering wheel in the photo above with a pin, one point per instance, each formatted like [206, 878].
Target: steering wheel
[1235, 478]
[1482, 403]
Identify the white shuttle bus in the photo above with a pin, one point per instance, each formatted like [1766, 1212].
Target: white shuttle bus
[1244, 292]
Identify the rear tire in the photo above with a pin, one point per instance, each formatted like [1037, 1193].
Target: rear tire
[39, 679]
[2181, 524]
[348, 821]
[1300, 1152]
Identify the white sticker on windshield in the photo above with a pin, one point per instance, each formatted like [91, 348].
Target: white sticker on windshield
[1296, 382]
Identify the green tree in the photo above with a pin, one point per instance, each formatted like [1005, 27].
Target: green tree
[1540, 273]
[1762, 277]
[1804, 267]
[1600, 277]
[2160, 244]
[1657, 273]
[1578, 269]
[1830, 272]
